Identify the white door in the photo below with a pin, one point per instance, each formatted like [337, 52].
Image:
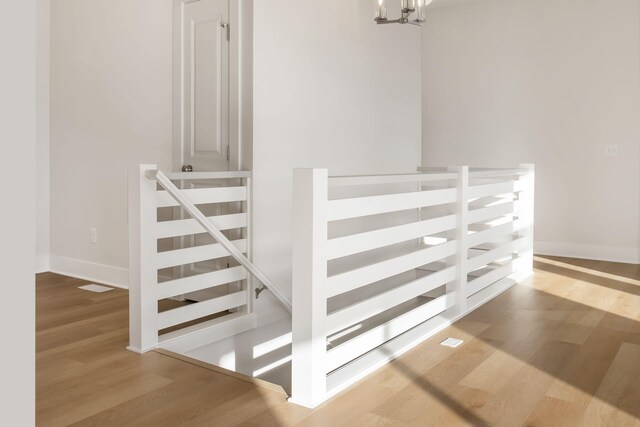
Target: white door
[201, 109]
[202, 68]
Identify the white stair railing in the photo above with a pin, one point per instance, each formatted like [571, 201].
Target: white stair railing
[210, 228]
[469, 239]
[147, 323]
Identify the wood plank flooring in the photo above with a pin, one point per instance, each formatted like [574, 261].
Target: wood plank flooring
[561, 349]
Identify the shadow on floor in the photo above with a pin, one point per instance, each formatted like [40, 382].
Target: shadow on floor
[585, 336]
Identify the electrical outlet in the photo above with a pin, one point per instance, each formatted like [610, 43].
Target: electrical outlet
[611, 150]
[94, 235]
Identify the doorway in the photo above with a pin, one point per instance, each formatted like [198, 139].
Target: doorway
[202, 39]
[203, 93]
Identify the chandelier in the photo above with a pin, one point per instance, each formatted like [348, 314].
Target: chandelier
[411, 11]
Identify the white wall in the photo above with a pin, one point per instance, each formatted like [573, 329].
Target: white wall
[43, 9]
[17, 218]
[111, 94]
[547, 82]
[331, 90]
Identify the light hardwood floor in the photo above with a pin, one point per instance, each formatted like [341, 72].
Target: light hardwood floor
[561, 349]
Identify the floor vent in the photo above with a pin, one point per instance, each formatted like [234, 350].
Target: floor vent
[451, 342]
[95, 288]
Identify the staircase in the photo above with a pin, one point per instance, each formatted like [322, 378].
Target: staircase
[380, 263]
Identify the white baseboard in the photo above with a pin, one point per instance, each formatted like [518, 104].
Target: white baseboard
[99, 273]
[42, 264]
[599, 253]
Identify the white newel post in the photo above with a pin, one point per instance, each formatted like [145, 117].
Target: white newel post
[310, 202]
[143, 308]
[526, 216]
[457, 288]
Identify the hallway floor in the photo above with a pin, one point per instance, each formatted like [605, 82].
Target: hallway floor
[560, 349]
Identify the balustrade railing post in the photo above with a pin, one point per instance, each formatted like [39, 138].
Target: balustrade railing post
[457, 289]
[248, 235]
[310, 203]
[143, 306]
[525, 217]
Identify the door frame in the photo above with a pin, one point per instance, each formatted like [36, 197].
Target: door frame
[240, 85]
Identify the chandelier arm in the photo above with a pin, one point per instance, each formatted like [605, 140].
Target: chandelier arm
[405, 13]
[388, 21]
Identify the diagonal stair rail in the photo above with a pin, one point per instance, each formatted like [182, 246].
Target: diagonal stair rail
[191, 208]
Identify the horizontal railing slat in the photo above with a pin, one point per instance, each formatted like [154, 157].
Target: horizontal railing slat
[478, 284]
[192, 337]
[200, 196]
[201, 281]
[487, 190]
[476, 172]
[196, 254]
[198, 176]
[185, 227]
[373, 205]
[486, 173]
[371, 339]
[191, 312]
[490, 234]
[197, 327]
[490, 256]
[355, 243]
[342, 181]
[360, 311]
[483, 214]
[491, 201]
[357, 278]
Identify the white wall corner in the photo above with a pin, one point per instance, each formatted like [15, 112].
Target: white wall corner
[595, 252]
[99, 273]
[42, 263]
[43, 182]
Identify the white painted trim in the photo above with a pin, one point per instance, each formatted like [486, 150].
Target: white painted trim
[594, 252]
[137, 350]
[86, 270]
[43, 263]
